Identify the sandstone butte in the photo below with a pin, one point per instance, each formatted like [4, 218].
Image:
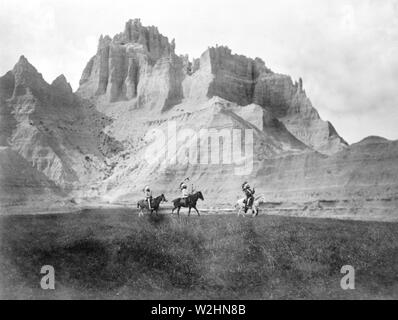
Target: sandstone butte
[61, 149]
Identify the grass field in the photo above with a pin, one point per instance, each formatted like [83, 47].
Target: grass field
[116, 255]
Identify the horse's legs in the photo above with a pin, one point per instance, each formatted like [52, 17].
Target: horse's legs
[242, 212]
[189, 211]
[254, 213]
[196, 211]
[178, 211]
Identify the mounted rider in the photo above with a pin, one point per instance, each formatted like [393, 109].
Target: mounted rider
[148, 196]
[184, 190]
[249, 194]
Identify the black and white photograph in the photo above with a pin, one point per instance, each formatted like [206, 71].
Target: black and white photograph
[198, 150]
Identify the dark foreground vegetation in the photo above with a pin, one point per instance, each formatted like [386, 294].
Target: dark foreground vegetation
[114, 254]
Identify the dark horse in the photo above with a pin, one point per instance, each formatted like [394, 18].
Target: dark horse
[155, 202]
[189, 202]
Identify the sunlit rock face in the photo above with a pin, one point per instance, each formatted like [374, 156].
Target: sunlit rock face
[50, 128]
[22, 184]
[139, 63]
[244, 81]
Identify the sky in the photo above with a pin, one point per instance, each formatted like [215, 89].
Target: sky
[346, 51]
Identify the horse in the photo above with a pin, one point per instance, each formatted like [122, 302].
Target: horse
[143, 204]
[241, 205]
[190, 202]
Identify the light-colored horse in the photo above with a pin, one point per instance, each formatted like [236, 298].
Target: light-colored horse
[240, 205]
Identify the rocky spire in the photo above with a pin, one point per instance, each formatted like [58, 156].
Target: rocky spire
[122, 61]
[27, 76]
[63, 90]
[62, 84]
[24, 68]
[148, 36]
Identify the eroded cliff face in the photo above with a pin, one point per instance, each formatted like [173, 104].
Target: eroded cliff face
[245, 81]
[52, 131]
[138, 64]
[22, 184]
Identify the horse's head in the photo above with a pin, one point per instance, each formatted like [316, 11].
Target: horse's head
[163, 198]
[200, 196]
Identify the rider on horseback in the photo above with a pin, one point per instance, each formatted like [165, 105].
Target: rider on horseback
[148, 196]
[249, 194]
[184, 190]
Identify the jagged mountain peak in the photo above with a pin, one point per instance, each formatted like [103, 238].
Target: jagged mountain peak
[58, 134]
[122, 61]
[155, 44]
[61, 83]
[23, 65]
[23, 60]
[26, 77]
[61, 78]
[221, 54]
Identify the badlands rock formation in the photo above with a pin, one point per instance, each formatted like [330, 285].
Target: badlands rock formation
[102, 144]
[50, 131]
[141, 65]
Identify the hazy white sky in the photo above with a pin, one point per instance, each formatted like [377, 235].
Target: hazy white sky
[346, 51]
